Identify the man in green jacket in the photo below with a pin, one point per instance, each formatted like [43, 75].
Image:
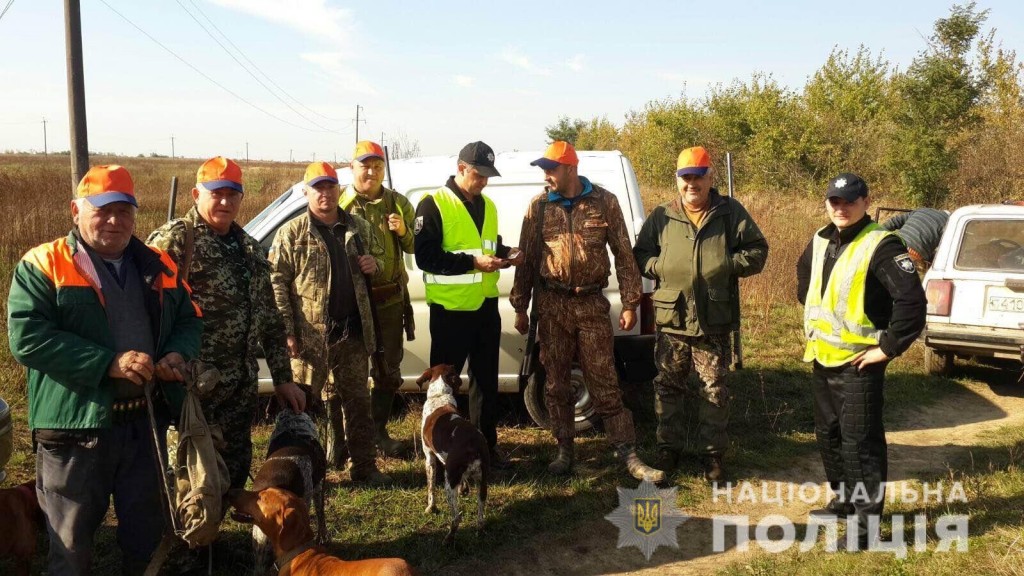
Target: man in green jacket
[95, 316]
[319, 268]
[390, 216]
[696, 246]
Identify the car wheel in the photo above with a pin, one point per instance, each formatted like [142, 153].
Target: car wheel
[938, 363]
[533, 396]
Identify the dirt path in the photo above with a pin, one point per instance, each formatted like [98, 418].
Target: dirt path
[922, 443]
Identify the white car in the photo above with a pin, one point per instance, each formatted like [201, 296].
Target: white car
[975, 288]
[511, 193]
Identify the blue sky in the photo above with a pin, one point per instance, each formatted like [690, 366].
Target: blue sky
[441, 73]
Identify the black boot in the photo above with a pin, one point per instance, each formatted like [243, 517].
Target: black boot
[713, 471]
[337, 447]
[380, 404]
[562, 464]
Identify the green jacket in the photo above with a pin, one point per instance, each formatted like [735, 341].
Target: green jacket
[301, 276]
[697, 268]
[58, 329]
[387, 246]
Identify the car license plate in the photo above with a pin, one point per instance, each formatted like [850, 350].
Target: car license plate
[1005, 304]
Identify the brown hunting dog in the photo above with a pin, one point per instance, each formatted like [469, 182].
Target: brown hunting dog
[284, 518]
[456, 452]
[20, 521]
[295, 462]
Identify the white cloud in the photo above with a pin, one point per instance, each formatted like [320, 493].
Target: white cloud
[575, 63]
[464, 81]
[516, 58]
[320, 23]
[311, 17]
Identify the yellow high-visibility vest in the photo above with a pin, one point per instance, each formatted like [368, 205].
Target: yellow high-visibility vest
[836, 326]
[465, 292]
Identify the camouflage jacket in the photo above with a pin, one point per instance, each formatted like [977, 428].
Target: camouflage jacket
[231, 285]
[301, 275]
[386, 246]
[574, 251]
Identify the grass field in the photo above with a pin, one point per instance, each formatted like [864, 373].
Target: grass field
[771, 429]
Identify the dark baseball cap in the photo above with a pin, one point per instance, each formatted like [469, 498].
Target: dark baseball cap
[847, 186]
[479, 156]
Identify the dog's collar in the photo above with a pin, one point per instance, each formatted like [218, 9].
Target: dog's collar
[283, 564]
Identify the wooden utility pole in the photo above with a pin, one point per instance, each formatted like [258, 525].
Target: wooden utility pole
[76, 91]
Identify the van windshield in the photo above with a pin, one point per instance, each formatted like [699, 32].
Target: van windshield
[993, 245]
[270, 209]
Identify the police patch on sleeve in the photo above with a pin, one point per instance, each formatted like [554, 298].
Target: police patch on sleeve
[418, 225]
[905, 263]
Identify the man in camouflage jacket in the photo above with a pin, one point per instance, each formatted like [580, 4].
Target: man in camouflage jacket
[578, 222]
[320, 266]
[390, 216]
[230, 280]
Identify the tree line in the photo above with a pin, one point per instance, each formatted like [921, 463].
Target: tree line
[948, 130]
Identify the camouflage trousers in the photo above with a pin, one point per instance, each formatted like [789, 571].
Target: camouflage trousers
[392, 328]
[232, 406]
[673, 356]
[577, 327]
[349, 368]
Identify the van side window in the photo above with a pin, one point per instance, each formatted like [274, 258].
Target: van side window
[269, 238]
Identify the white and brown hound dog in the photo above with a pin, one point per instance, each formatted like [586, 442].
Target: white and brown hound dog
[456, 452]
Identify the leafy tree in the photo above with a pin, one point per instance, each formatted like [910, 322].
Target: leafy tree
[566, 129]
[849, 103]
[939, 95]
[598, 134]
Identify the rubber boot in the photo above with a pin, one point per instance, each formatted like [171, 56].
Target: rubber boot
[636, 467]
[562, 464]
[337, 447]
[380, 404]
[713, 471]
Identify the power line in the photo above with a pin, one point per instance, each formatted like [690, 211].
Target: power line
[254, 77]
[5, 9]
[258, 69]
[203, 74]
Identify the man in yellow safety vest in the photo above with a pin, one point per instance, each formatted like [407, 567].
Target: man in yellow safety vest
[863, 306]
[458, 248]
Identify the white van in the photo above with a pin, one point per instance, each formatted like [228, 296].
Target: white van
[975, 288]
[511, 193]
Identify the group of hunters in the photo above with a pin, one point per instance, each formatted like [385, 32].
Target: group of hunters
[98, 314]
